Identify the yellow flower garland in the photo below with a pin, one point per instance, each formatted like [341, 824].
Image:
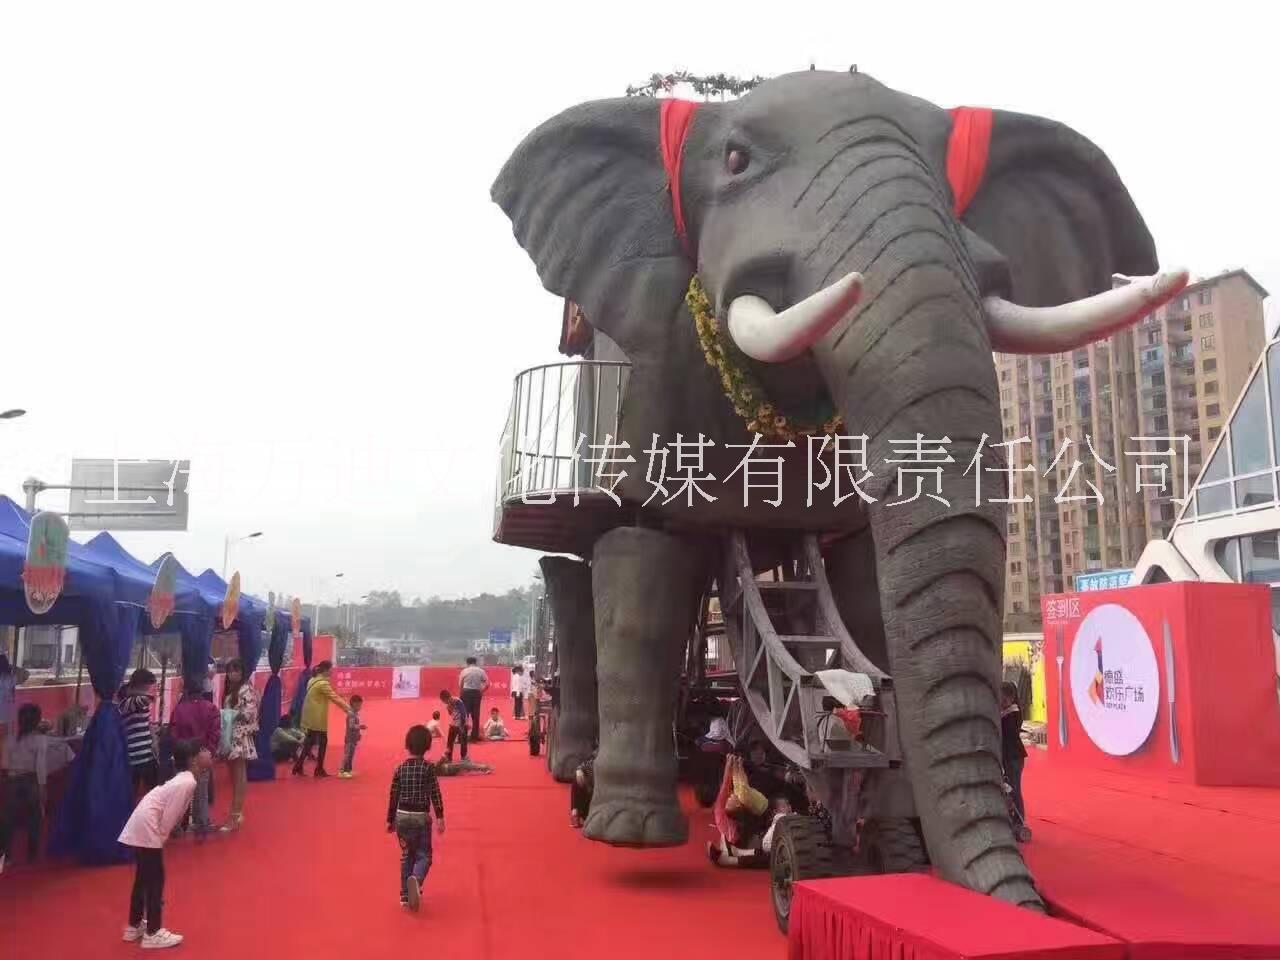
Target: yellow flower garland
[743, 390]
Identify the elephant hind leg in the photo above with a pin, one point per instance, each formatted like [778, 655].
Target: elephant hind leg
[647, 585]
[569, 594]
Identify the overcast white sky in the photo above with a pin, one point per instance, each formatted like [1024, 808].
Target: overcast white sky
[259, 235]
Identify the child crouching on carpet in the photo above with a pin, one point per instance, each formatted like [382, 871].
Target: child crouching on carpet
[147, 831]
[415, 792]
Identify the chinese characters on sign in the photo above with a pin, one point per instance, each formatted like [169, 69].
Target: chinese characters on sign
[1058, 609]
[1116, 694]
[1103, 580]
[358, 681]
[838, 466]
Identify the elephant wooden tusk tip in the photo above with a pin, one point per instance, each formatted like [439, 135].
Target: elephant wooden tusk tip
[1170, 282]
[770, 337]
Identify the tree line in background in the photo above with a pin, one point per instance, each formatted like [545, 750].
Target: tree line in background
[445, 624]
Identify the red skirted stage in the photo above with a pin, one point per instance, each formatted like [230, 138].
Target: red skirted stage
[1170, 871]
[1172, 681]
[1157, 825]
[917, 917]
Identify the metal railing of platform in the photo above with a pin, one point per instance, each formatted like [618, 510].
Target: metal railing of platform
[562, 416]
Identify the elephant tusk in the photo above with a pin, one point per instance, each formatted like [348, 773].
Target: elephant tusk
[1016, 329]
[771, 337]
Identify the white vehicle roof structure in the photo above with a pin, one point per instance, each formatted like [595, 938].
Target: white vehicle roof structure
[1229, 528]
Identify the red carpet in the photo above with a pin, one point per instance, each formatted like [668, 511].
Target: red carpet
[314, 874]
[1100, 835]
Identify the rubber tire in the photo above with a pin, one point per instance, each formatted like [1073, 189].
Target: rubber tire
[896, 846]
[801, 851]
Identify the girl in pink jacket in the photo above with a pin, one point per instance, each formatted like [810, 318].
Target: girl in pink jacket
[146, 833]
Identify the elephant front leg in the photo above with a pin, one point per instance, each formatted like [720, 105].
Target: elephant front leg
[646, 587]
[569, 593]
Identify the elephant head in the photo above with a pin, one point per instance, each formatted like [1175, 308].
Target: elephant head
[818, 214]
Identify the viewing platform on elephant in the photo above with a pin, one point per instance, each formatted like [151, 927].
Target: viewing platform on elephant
[549, 494]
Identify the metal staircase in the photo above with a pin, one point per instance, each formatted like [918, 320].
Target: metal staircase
[783, 633]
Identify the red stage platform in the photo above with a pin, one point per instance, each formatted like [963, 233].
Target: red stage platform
[917, 917]
[1175, 870]
[1169, 871]
[1173, 681]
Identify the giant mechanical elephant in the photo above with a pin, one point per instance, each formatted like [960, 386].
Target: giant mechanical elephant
[834, 250]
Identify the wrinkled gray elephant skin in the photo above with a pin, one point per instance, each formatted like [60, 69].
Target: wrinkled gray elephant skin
[807, 178]
[568, 585]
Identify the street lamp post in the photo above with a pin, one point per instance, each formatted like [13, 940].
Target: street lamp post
[351, 614]
[319, 587]
[226, 548]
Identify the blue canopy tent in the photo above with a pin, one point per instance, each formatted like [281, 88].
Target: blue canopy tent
[105, 597]
[264, 767]
[250, 614]
[105, 604]
[273, 695]
[193, 615]
[300, 694]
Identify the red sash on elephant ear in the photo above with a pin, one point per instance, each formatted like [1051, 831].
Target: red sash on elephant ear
[673, 126]
[967, 152]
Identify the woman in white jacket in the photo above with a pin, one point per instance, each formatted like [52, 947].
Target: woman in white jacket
[519, 685]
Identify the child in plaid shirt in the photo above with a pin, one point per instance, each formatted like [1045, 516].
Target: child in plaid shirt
[354, 726]
[415, 795]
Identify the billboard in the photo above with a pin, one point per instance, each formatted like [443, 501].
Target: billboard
[128, 494]
[406, 683]
[1103, 580]
[499, 638]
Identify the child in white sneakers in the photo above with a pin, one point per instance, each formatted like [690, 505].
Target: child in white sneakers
[354, 726]
[146, 833]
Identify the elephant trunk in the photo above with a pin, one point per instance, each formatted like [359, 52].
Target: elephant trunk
[916, 361]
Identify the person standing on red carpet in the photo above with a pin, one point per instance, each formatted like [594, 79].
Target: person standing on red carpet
[136, 701]
[473, 682]
[195, 718]
[146, 833]
[518, 682]
[315, 718]
[354, 726]
[457, 724]
[415, 793]
[1013, 752]
[240, 709]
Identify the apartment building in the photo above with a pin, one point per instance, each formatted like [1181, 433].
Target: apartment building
[1095, 497]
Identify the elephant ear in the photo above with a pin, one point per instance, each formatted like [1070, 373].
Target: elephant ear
[587, 196]
[1053, 205]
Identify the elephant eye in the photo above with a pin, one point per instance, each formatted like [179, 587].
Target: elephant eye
[737, 161]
